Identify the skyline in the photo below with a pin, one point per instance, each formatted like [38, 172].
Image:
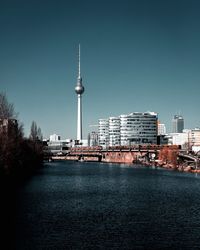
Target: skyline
[136, 56]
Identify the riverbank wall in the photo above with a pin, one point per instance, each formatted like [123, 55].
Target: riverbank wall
[123, 157]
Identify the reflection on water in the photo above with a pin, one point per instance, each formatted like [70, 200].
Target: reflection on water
[71, 205]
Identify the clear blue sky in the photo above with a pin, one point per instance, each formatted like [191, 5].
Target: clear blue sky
[136, 55]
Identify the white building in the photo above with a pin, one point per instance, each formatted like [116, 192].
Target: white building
[103, 132]
[161, 129]
[59, 146]
[178, 138]
[190, 138]
[194, 137]
[54, 137]
[138, 128]
[135, 128]
[114, 131]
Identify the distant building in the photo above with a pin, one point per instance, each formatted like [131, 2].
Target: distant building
[178, 139]
[59, 146]
[161, 129]
[84, 143]
[93, 139]
[55, 137]
[125, 130]
[194, 137]
[177, 124]
[162, 139]
[189, 139]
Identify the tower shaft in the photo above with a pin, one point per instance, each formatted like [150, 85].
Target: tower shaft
[79, 119]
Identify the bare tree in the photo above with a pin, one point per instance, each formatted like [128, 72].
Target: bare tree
[39, 134]
[6, 109]
[35, 133]
[18, 155]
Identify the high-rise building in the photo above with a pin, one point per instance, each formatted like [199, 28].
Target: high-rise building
[138, 128]
[114, 131]
[177, 124]
[103, 132]
[79, 89]
[125, 130]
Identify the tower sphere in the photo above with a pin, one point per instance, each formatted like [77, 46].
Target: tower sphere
[79, 89]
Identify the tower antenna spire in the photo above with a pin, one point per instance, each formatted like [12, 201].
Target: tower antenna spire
[79, 61]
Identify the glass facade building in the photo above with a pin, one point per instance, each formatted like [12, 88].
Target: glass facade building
[138, 128]
[177, 124]
[131, 129]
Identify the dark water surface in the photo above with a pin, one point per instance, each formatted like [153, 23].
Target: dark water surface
[69, 205]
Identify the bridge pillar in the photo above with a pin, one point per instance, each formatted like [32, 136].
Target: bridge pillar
[99, 158]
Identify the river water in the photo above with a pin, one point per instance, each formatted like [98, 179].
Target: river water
[71, 205]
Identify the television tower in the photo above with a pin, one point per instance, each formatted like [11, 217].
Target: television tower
[79, 89]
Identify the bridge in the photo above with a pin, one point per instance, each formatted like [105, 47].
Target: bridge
[85, 155]
[190, 158]
[121, 154]
[118, 154]
[169, 156]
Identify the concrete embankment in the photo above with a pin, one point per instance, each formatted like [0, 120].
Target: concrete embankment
[180, 167]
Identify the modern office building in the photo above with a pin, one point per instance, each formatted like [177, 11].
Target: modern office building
[177, 124]
[114, 131]
[138, 128]
[79, 89]
[103, 132]
[126, 130]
